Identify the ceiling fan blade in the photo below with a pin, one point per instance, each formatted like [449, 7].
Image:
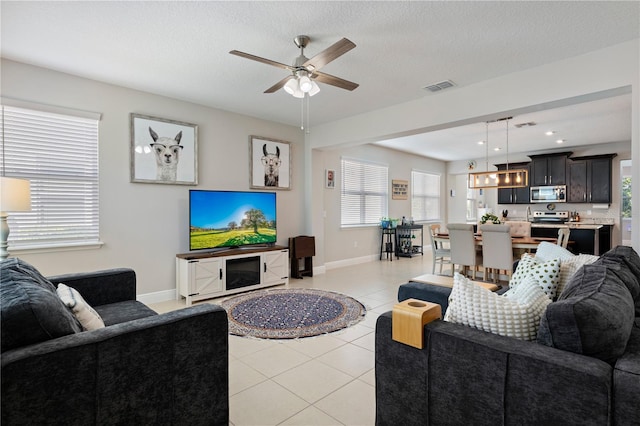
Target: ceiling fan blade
[329, 54]
[278, 85]
[259, 59]
[334, 81]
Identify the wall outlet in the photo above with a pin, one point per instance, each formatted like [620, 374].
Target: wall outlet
[588, 212]
[355, 244]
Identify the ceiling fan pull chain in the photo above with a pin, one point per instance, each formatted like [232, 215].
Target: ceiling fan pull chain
[302, 114]
[308, 104]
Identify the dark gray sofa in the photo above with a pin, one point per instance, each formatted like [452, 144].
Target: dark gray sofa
[584, 369]
[142, 368]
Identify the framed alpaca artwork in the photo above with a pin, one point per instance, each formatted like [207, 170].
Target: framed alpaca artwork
[269, 163]
[163, 151]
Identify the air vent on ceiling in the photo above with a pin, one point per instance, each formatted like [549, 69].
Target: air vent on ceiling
[436, 87]
[528, 124]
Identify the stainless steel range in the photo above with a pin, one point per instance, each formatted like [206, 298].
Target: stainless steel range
[550, 217]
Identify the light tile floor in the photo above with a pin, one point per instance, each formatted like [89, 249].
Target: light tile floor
[324, 380]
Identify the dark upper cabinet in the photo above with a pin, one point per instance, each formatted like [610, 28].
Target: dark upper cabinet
[590, 179]
[549, 169]
[514, 195]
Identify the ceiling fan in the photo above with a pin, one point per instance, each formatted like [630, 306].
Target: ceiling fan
[304, 71]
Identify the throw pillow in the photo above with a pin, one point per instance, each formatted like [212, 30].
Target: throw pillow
[594, 315]
[568, 267]
[30, 308]
[548, 251]
[546, 273]
[514, 314]
[87, 316]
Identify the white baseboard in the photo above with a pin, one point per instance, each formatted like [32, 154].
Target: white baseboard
[350, 262]
[157, 297]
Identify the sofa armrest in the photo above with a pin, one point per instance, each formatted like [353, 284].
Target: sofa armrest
[165, 369]
[467, 376]
[101, 287]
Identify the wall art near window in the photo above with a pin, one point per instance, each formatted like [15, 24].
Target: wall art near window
[163, 151]
[400, 189]
[330, 178]
[269, 163]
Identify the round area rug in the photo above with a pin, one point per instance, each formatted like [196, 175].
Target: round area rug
[291, 313]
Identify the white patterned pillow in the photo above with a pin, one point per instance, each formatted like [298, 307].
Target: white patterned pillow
[547, 274]
[87, 316]
[568, 267]
[548, 251]
[515, 314]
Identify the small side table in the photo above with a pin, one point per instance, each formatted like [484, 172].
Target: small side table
[409, 318]
[387, 239]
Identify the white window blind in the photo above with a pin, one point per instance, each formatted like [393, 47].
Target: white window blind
[425, 196]
[58, 154]
[365, 193]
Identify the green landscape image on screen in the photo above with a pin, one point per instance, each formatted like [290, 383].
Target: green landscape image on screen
[252, 229]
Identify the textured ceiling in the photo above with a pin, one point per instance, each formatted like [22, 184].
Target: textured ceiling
[180, 49]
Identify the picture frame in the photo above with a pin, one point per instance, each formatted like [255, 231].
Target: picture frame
[330, 178]
[399, 189]
[269, 163]
[163, 151]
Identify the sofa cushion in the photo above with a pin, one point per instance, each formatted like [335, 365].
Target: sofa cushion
[593, 316]
[516, 313]
[546, 273]
[625, 263]
[119, 312]
[85, 314]
[31, 310]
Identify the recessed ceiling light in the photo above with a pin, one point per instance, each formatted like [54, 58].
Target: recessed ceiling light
[480, 142]
[560, 141]
[497, 148]
[549, 132]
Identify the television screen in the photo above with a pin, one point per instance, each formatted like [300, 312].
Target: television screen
[231, 219]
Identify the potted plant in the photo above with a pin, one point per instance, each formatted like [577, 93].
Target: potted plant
[491, 218]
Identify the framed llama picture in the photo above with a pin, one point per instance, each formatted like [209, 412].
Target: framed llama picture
[269, 163]
[163, 151]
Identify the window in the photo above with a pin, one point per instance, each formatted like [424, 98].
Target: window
[365, 191]
[425, 196]
[58, 154]
[471, 204]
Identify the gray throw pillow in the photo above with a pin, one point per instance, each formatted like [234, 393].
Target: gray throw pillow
[594, 315]
[30, 309]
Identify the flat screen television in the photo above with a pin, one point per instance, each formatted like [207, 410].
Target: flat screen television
[231, 219]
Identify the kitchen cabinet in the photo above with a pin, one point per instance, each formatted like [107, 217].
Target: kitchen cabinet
[549, 169]
[514, 195]
[590, 179]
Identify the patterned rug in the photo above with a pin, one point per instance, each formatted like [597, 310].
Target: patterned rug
[291, 313]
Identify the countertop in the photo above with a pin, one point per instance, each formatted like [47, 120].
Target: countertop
[570, 225]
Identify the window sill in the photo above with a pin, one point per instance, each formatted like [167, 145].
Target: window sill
[50, 248]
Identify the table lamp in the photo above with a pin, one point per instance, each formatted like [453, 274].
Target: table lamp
[15, 196]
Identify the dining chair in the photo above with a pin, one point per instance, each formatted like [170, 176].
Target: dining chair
[563, 237]
[519, 228]
[463, 248]
[497, 250]
[441, 254]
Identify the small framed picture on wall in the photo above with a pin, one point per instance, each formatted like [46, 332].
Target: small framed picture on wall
[330, 178]
[269, 163]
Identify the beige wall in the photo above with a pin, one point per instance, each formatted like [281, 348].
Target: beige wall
[342, 244]
[143, 226]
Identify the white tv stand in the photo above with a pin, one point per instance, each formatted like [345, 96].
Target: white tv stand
[208, 275]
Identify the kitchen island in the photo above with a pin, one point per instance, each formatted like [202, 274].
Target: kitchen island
[588, 238]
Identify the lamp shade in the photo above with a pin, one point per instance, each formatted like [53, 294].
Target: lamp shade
[15, 195]
[314, 88]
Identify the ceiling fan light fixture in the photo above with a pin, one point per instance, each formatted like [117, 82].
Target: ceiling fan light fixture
[315, 89]
[292, 86]
[305, 83]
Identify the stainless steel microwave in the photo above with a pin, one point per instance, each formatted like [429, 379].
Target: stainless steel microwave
[549, 194]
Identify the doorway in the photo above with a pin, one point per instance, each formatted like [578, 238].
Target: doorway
[625, 201]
